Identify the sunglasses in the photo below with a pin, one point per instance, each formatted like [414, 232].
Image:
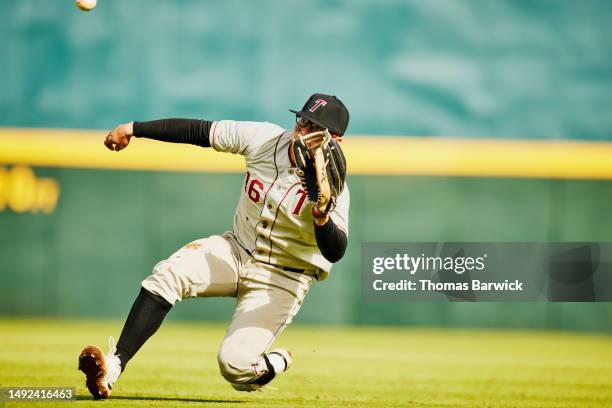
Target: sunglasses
[303, 122]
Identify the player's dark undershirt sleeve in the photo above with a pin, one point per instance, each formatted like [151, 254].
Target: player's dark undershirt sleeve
[331, 240]
[192, 131]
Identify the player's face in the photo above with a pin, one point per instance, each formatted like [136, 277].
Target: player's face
[303, 127]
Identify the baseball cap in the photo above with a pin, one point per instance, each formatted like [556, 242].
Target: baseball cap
[327, 111]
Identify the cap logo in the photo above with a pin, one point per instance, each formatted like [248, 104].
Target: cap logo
[317, 105]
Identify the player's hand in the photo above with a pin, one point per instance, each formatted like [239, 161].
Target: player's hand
[320, 218]
[119, 137]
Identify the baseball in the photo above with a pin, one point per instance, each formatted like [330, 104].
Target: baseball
[86, 5]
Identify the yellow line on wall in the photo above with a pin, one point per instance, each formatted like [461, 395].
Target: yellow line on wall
[365, 155]
[85, 149]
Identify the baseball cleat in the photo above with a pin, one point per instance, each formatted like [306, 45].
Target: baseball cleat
[101, 371]
[285, 354]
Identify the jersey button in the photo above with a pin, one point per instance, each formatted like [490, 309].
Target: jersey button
[269, 206]
[264, 224]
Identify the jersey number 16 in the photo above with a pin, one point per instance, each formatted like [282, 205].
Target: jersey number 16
[254, 189]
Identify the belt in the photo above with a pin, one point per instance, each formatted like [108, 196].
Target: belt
[289, 269]
[285, 268]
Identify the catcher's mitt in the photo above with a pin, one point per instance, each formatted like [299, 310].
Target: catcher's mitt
[321, 168]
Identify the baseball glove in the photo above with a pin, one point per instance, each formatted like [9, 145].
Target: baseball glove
[321, 168]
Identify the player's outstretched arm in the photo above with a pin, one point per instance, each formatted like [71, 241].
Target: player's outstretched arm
[192, 131]
[175, 130]
[119, 137]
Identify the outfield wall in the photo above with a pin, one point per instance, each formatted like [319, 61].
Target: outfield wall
[80, 227]
[81, 248]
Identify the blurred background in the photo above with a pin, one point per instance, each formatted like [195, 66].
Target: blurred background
[80, 228]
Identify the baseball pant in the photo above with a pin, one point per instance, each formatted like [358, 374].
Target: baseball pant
[267, 298]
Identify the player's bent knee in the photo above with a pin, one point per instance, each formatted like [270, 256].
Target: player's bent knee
[238, 367]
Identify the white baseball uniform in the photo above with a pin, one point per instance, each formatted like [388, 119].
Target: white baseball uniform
[273, 230]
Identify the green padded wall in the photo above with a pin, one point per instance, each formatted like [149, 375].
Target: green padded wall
[110, 228]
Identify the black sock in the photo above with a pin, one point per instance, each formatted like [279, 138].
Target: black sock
[267, 377]
[146, 315]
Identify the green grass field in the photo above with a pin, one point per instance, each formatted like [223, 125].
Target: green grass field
[374, 367]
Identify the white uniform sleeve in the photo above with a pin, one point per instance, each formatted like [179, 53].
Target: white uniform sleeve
[241, 137]
[340, 215]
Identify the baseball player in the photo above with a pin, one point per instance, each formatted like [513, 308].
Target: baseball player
[290, 226]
